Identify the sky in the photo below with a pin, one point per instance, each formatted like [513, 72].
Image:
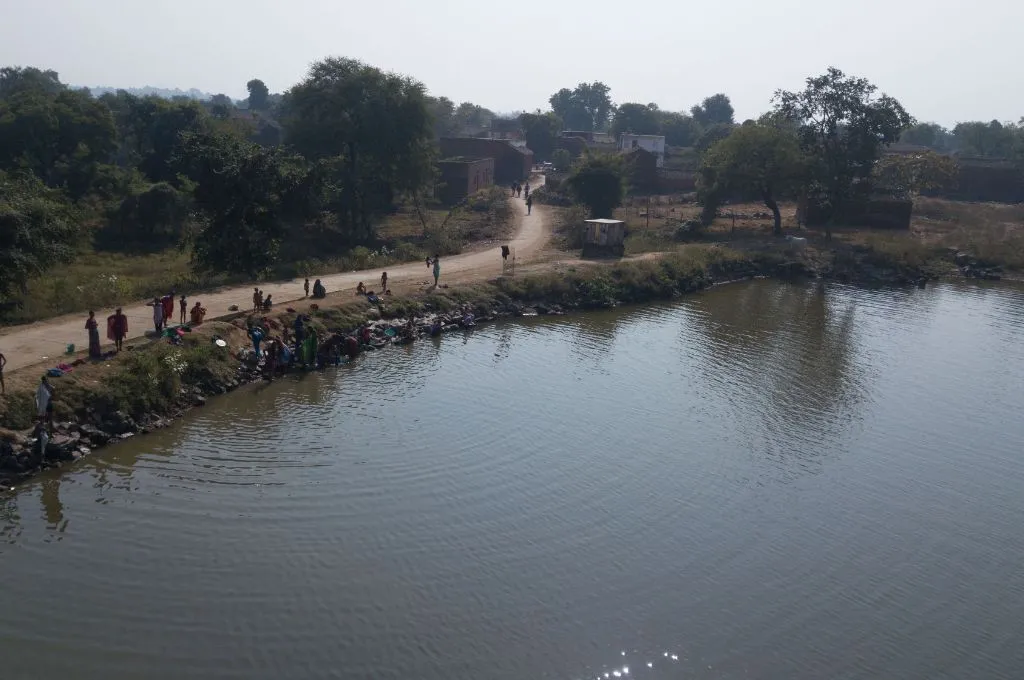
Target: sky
[945, 60]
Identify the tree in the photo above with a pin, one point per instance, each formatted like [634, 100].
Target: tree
[637, 119]
[371, 128]
[754, 159]
[561, 159]
[911, 174]
[541, 131]
[442, 113]
[712, 136]
[716, 109]
[587, 107]
[245, 193]
[992, 139]
[932, 135]
[258, 95]
[36, 232]
[679, 129]
[842, 128]
[472, 117]
[599, 183]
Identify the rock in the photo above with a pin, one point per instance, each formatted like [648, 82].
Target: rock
[198, 400]
[94, 435]
[962, 259]
[118, 423]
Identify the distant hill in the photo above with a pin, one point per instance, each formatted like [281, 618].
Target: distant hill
[164, 92]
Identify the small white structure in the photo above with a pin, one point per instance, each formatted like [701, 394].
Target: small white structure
[604, 238]
[652, 143]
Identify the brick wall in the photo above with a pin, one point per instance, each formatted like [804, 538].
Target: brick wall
[510, 164]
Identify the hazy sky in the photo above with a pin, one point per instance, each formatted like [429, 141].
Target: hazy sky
[945, 60]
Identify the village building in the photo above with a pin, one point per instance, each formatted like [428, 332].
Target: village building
[654, 144]
[461, 176]
[511, 163]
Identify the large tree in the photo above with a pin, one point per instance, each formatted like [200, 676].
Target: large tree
[679, 129]
[541, 131]
[259, 95]
[842, 127]
[37, 231]
[246, 193]
[373, 129]
[588, 107]
[638, 119]
[599, 183]
[992, 139]
[754, 160]
[716, 109]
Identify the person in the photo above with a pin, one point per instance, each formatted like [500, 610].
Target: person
[365, 335]
[182, 309]
[305, 286]
[167, 302]
[436, 328]
[44, 401]
[3, 362]
[117, 328]
[526, 191]
[300, 331]
[318, 289]
[513, 188]
[197, 313]
[361, 289]
[529, 204]
[158, 315]
[267, 303]
[519, 189]
[93, 327]
[428, 261]
[504, 253]
[351, 347]
[437, 269]
[256, 299]
[256, 333]
[384, 282]
[42, 438]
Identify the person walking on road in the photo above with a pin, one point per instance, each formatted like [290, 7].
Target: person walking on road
[437, 270]
[529, 204]
[383, 283]
[183, 310]
[117, 328]
[257, 299]
[93, 326]
[305, 287]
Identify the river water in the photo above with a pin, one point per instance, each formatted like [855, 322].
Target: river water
[761, 481]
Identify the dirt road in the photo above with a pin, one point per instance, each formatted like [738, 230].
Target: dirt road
[45, 341]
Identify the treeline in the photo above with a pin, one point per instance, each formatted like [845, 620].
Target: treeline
[974, 138]
[241, 185]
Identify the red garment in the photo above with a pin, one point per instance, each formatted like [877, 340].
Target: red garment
[167, 302]
[117, 327]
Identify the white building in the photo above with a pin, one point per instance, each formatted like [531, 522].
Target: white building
[652, 143]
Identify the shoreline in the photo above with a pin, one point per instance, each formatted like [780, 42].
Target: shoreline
[159, 382]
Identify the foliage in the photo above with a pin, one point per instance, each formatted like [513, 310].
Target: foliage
[155, 216]
[912, 174]
[36, 231]
[842, 127]
[714, 110]
[755, 159]
[932, 135]
[587, 107]
[679, 129]
[599, 183]
[541, 131]
[258, 95]
[992, 139]
[637, 119]
[561, 159]
[712, 136]
[245, 192]
[371, 131]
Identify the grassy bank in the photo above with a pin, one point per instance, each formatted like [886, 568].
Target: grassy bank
[97, 279]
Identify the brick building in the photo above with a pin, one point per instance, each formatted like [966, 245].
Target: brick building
[462, 177]
[510, 163]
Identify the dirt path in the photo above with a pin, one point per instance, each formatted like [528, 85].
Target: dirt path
[44, 342]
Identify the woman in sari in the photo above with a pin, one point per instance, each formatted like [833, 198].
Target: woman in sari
[93, 327]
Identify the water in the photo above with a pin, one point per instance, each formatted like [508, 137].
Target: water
[763, 481]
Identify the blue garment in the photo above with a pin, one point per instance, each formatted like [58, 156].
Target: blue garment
[257, 338]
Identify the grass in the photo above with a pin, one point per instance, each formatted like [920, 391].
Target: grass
[103, 280]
